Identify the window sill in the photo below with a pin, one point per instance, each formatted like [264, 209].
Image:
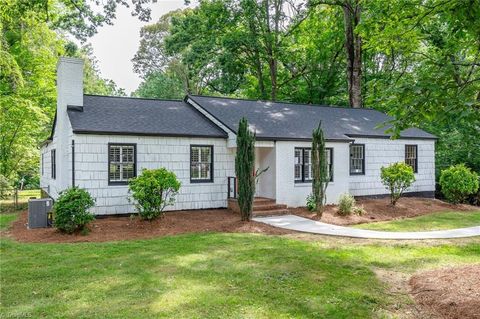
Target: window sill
[201, 181]
[117, 183]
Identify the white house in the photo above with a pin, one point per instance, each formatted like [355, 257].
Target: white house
[99, 142]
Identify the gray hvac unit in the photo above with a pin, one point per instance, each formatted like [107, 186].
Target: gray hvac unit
[38, 212]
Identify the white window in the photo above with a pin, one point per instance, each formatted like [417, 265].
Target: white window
[201, 163]
[303, 164]
[357, 159]
[121, 163]
[411, 156]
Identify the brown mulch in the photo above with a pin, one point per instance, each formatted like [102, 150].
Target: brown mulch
[449, 293]
[381, 210]
[123, 228]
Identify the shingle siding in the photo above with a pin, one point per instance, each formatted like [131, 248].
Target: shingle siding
[152, 152]
[382, 152]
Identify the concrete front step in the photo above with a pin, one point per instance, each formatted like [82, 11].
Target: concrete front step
[263, 200]
[262, 207]
[272, 212]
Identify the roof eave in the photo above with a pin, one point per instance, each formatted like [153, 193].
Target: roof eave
[92, 132]
[389, 137]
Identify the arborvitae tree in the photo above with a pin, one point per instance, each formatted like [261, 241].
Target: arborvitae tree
[244, 169]
[320, 169]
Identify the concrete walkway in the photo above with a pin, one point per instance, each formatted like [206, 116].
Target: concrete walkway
[306, 225]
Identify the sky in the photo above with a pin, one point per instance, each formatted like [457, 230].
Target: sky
[115, 45]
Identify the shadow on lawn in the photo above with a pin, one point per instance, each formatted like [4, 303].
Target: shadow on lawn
[208, 275]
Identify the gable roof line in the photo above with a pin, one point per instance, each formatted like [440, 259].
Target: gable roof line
[188, 96]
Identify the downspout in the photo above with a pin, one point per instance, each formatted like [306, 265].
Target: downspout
[73, 163]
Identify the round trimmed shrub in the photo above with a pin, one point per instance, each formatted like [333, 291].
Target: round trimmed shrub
[458, 182]
[71, 210]
[397, 177]
[153, 190]
[346, 203]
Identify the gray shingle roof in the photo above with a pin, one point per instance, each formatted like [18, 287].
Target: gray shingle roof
[276, 120]
[120, 115]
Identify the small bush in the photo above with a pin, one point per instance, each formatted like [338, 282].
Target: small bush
[346, 204]
[397, 177]
[458, 182]
[71, 210]
[153, 190]
[358, 210]
[311, 205]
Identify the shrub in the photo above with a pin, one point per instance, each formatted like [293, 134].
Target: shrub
[311, 204]
[458, 182]
[71, 210]
[244, 168]
[153, 190]
[346, 204]
[397, 177]
[358, 210]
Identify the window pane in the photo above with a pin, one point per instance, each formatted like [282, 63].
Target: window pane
[128, 171]
[298, 167]
[298, 171]
[194, 171]
[205, 155]
[205, 171]
[127, 154]
[115, 154]
[195, 155]
[114, 172]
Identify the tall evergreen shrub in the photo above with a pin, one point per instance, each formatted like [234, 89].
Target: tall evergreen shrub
[244, 169]
[319, 169]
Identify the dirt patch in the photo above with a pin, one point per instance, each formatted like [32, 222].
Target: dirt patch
[124, 228]
[381, 210]
[449, 293]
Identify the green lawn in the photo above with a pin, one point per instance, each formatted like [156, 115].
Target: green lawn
[215, 276]
[434, 221]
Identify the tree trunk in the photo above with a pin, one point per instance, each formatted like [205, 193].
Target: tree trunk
[353, 48]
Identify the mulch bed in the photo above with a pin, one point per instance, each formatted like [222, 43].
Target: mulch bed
[449, 293]
[124, 228]
[381, 210]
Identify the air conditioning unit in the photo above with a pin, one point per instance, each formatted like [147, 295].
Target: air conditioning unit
[39, 213]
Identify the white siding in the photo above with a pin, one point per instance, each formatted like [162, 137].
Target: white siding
[294, 194]
[91, 170]
[265, 158]
[382, 152]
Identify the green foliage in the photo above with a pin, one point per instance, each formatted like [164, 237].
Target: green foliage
[319, 169]
[153, 190]
[311, 204]
[346, 204]
[458, 182]
[71, 210]
[161, 86]
[244, 169]
[5, 186]
[397, 177]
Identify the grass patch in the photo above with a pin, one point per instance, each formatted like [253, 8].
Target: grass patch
[6, 219]
[213, 276]
[434, 221]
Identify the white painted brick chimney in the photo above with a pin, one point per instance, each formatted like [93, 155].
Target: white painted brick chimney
[69, 92]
